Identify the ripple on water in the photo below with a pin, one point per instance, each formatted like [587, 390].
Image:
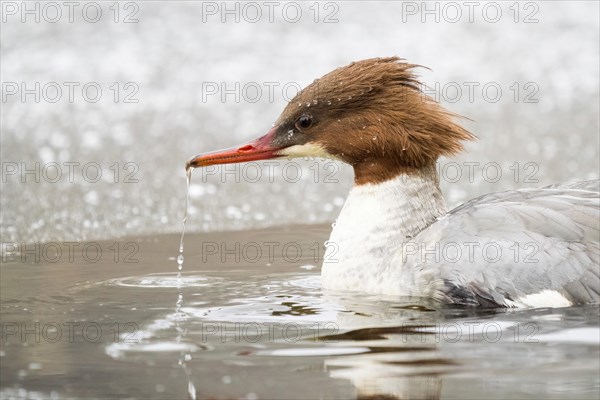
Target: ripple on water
[166, 280]
[284, 299]
[132, 351]
[313, 351]
[587, 335]
[307, 282]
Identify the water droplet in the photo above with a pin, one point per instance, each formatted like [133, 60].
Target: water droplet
[180, 259]
[349, 97]
[307, 104]
[315, 101]
[299, 104]
[328, 102]
[374, 137]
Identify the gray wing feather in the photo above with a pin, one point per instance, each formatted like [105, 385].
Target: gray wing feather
[548, 239]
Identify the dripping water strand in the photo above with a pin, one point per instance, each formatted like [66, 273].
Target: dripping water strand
[188, 172]
[179, 313]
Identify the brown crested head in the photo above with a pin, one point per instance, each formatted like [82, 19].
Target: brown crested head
[373, 115]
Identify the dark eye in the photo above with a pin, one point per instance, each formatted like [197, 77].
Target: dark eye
[304, 122]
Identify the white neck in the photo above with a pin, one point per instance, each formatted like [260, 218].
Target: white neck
[376, 219]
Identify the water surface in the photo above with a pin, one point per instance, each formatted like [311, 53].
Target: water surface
[235, 324]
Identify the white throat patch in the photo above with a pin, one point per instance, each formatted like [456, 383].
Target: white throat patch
[309, 149]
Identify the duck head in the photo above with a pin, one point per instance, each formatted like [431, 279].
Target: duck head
[371, 114]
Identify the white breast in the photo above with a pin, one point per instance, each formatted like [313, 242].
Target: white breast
[374, 221]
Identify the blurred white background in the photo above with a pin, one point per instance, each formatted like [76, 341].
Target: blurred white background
[542, 128]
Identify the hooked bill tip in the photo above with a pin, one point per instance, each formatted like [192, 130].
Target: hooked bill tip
[190, 163]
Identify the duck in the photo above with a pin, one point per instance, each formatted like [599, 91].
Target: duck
[531, 247]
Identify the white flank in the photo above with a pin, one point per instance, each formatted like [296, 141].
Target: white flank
[545, 298]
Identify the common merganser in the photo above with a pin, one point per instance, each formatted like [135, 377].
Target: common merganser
[518, 248]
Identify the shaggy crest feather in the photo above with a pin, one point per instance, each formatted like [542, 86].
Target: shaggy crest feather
[355, 107]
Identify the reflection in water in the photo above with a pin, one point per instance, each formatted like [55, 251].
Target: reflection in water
[385, 347]
[374, 333]
[398, 360]
[402, 362]
[180, 319]
[295, 309]
[322, 327]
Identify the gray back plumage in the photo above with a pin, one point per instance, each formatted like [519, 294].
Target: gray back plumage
[548, 239]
